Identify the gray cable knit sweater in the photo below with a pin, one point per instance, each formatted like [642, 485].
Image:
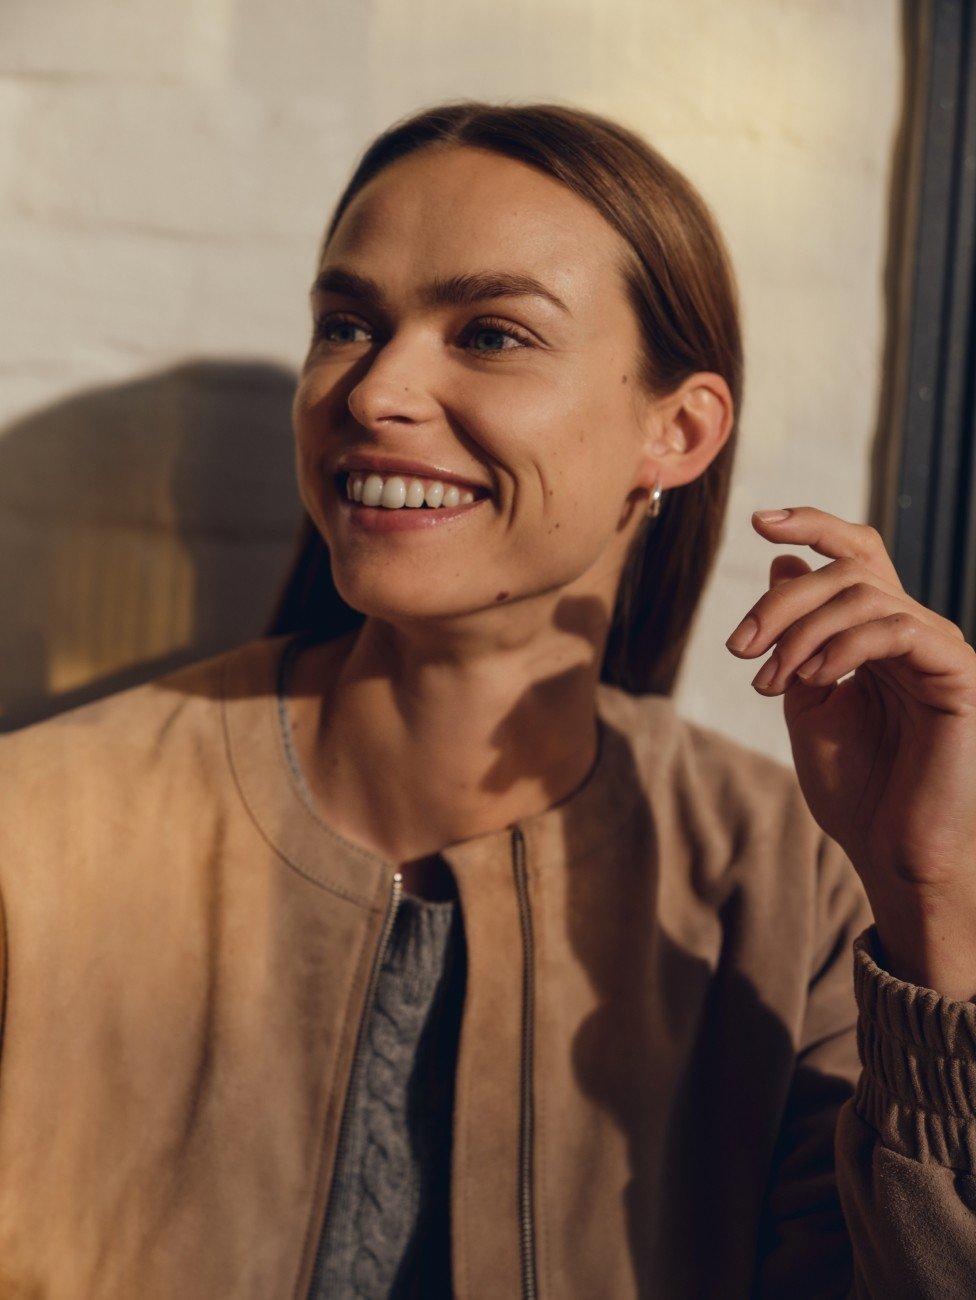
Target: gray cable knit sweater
[387, 1232]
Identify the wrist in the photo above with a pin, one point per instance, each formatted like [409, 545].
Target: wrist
[927, 936]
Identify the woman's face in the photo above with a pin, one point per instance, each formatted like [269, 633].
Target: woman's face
[537, 403]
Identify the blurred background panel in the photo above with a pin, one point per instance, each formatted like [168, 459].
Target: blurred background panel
[165, 174]
[143, 524]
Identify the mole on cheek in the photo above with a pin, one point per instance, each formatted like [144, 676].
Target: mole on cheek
[502, 595]
[623, 379]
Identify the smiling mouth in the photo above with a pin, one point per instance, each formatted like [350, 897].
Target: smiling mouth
[410, 491]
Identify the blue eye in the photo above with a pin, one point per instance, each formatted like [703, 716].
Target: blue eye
[488, 325]
[324, 325]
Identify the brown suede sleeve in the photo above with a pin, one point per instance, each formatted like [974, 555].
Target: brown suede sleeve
[804, 1248]
[906, 1141]
[874, 1193]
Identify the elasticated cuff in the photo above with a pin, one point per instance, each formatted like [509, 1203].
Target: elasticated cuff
[918, 1049]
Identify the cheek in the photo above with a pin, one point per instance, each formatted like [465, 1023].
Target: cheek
[311, 424]
[581, 511]
[308, 427]
[566, 516]
[573, 468]
[306, 402]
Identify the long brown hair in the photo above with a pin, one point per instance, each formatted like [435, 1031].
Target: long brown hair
[681, 286]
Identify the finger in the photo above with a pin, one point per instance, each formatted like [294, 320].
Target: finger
[834, 537]
[848, 608]
[945, 669]
[784, 567]
[796, 594]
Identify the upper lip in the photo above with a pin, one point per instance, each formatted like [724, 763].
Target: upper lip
[379, 463]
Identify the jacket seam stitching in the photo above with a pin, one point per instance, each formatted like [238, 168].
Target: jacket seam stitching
[464, 1109]
[307, 1243]
[337, 890]
[541, 1127]
[289, 759]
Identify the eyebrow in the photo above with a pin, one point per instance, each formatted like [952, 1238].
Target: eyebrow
[454, 291]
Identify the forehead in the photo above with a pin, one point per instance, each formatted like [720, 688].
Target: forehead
[444, 210]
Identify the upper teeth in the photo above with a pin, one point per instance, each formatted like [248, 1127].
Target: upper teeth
[394, 491]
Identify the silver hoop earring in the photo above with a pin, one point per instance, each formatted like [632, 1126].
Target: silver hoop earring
[654, 505]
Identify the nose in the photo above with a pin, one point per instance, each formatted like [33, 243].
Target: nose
[390, 390]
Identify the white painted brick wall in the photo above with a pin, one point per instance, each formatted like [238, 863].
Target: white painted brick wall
[165, 173]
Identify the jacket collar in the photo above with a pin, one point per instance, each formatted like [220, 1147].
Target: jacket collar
[637, 734]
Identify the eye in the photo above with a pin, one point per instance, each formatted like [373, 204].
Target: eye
[501, 329]
[324, 325]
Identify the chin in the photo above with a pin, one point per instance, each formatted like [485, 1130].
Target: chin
[393, 600]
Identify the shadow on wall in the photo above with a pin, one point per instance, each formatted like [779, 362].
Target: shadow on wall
[143, 526]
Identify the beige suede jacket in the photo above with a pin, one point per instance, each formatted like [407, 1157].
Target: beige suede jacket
[659, 1090]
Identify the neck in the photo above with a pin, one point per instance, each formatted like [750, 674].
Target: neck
[410, 740]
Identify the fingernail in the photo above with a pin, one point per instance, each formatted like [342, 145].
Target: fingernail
[744, 634]
[766, 673]
[810, 667]
[771, 516]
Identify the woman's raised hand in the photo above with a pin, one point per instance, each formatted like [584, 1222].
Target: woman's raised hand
[886, 759]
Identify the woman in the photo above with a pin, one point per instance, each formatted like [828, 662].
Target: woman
[418, 946]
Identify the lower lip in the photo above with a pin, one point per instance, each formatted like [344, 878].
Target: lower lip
[377, 519]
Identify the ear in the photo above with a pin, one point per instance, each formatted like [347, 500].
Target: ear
[687, 430]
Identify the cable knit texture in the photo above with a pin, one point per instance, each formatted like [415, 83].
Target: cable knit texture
[918, 1049]
[387, 1232]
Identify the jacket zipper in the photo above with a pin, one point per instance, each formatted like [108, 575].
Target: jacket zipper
[391, 910]
[526, 1113]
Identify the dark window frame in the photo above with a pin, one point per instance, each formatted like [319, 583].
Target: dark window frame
[928, 409]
